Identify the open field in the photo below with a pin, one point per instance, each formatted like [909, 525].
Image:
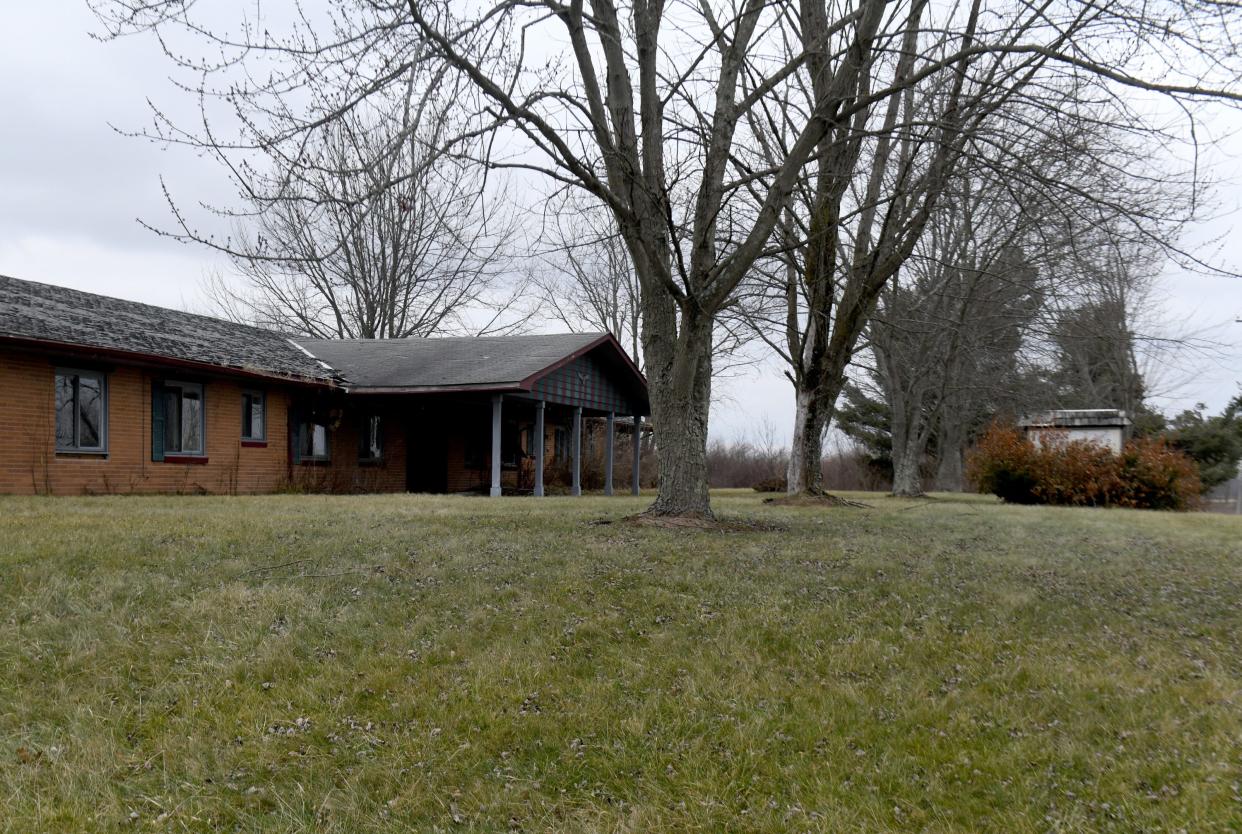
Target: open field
[396, 663]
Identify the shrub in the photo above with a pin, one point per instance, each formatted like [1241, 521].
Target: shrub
[772, 485]
[1003, 463]
[1147, 474]
[1158, 477]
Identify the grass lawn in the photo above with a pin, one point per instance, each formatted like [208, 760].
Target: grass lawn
[398, 663]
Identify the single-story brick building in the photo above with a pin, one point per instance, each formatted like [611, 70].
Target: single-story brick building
[102, 395]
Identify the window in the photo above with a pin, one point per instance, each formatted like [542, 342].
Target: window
[312, 442]
[254, 416]
[81, 411]
[184, 430]
[371, 439]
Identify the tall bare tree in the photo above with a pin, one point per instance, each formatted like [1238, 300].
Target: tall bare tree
[587, 280]
[377, 240]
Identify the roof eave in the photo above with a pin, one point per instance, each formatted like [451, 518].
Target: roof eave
[476, 388]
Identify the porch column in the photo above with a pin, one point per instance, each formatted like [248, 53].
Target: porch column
[539, 406]
[577, 488]
[638, 452]
[496, 399]
[612, 425]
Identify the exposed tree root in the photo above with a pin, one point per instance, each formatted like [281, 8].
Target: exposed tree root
[815, 499]
[699, 522]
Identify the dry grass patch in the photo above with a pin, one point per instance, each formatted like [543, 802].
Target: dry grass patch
[397, 663]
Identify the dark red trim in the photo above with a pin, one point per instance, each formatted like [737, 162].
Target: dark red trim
[254, 444]
[139, 358]
[195, 459]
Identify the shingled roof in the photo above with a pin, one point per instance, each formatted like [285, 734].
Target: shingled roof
[56, 316]
[34, 312]
[487, 363]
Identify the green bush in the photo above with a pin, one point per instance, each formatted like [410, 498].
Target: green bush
[1148, 474]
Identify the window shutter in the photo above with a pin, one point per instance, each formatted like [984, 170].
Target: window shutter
[157, 421]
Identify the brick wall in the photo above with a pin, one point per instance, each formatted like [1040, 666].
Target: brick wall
[344, 471]
[29, 462]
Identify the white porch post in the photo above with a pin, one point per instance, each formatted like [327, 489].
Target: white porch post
[638, 452]
[612, 425]
[577, 488]
[539, 407]
[496, 400]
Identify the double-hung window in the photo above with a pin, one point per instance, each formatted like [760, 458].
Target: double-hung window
[81, 411]
[184, 419]
[254, 417]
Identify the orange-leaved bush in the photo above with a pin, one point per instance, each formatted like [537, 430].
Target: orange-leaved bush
[1147, 474]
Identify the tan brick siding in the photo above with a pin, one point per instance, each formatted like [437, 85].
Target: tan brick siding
[29, 462]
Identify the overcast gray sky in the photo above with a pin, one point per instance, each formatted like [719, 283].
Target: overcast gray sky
[72, 190]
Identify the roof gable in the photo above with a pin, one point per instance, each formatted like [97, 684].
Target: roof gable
[588, 381]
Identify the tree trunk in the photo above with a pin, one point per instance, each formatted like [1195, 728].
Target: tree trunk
[908, 446]
[949, 475]
[817, 404]
[680, 400]
[805, 475]
[907, 482]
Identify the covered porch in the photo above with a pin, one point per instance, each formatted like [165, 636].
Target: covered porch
[504, 415]
[531, 436]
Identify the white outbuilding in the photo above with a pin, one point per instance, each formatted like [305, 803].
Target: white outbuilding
[1104, 426]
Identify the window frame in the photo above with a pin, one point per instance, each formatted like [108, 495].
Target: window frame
[175, 455]
[77, 449]
[259, 395]
[306, 427]
[364, 438]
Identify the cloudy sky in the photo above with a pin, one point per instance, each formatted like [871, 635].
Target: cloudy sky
[72, 191]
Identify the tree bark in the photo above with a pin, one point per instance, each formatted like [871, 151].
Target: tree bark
[806, 455]
[949, 472]
[680, 401]
[907, 480]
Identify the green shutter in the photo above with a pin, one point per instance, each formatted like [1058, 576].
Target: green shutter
[157, 421]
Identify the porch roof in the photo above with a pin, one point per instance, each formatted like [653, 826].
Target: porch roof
[487, 364]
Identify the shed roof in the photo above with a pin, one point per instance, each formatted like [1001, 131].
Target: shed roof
[43, 313]
[1077, 418]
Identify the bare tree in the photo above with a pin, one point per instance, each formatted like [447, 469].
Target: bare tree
[642, 113]
[648, 110]
[946, 337]
[376, 241]
[878, 180]
[587, 281]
